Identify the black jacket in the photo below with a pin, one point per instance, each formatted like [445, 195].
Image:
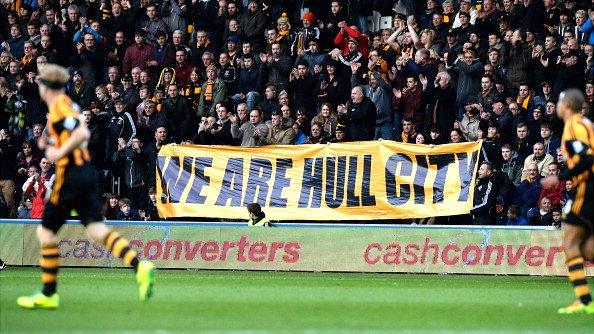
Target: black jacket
[485, 198]
[179, 117]
[360, 120]
[134, 166]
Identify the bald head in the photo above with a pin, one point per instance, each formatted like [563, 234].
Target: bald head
[571, 99]
[357, 94]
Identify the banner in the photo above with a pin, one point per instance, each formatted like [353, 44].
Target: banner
[347, 181]
[405, 250]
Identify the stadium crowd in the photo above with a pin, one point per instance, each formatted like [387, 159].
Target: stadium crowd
[253, 73]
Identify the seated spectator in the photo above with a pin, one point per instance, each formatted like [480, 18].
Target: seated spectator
[339, 134]
[150, 212]
[514, 218]
[127, 212]
[469, 124]
[557, 214]
[527, 192]
[279, 133]
[553, 193]
[317, 134]
[24, 209]
[549, 139]
[510, 165]
[408, 133]
[540, 158]
[541, 216]
[252, 133]
[456, 136]
[327, 117]
[111, 207]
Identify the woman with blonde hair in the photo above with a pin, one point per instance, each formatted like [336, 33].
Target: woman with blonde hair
[166, 78]
[327, 117]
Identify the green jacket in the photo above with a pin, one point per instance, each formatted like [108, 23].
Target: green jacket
[219, 94]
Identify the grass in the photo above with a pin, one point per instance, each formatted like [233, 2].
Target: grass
[105, 301]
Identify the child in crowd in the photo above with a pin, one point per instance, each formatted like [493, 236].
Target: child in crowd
[127, 212]
[513, 216]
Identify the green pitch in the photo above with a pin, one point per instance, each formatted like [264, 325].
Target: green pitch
[105, 301]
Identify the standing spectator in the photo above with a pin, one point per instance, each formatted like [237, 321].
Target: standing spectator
[470, 71]
[139, 53]
[510, 164]
[90, 60]
[301, 88]
[122, 126]
[177, 114]
[37, 185]
[411, 102]
[252, 24]
[153, 24]
[442, 105]
[213, 91]
[176, 14]
[550, 140]
[275, 67]
[359, 116]
[485, 196]
[132, 160]
[182, 66]
[380, 93]
[8, 153]
[250, 83]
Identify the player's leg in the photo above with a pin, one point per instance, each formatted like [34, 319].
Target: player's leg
[53, 219]
[587, 249]
[574, 237]
[120, 247]
[113, 242]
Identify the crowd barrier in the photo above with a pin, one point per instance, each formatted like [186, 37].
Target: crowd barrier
[309, 247]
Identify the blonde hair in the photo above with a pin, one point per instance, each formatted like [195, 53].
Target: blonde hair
[52, 75]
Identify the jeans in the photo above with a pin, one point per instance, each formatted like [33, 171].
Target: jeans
[251, 99]
[384, 130]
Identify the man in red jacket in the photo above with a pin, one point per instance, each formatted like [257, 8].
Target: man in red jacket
[37, 185]
[139, 53]
[345, 34]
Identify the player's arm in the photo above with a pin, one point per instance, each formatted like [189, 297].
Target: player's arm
[580, 154]
[581, 160]
[78, 135]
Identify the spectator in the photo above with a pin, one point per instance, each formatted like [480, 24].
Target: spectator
[380, 93]
[132, 160]
[252, 133]
[249, 84]
[213, 91]
[139, 53]
[257, 216]
[514, 218]
[359, 116]
[24, 209]
[150, 212]
[510, 165]
[301, 88]
[549, 139]
[317, 134]
[538, 157]
[541, 216]
[485, 196]
[527, 192]
[127, 211]
[275, 67]
[121, 126]
[79, 90]
[177, 114]
[37, 185]
[7, 170]
[553, 193]
[279, 133]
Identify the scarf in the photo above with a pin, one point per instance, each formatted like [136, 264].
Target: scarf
[208, 91]
[524, 103]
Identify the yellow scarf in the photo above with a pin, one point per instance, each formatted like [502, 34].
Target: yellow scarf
[208, 91]
[525, 102]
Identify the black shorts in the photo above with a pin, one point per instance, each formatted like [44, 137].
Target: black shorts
[580, 210]
[74, 188]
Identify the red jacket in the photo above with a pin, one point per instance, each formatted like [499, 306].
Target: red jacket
[137, 55]
[554, 193]
[38, 190]
[342, 41]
